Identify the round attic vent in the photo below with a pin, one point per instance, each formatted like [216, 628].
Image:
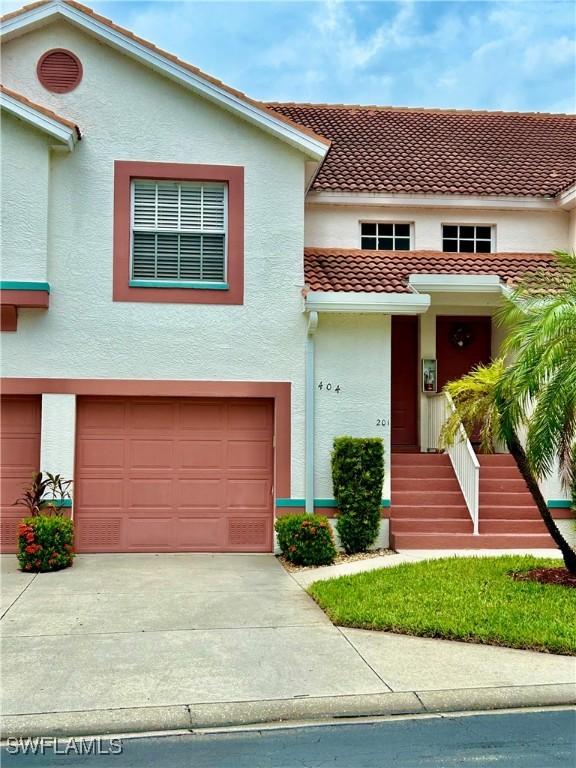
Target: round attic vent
[59, 71]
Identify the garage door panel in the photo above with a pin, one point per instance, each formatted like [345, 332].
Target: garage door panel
[151, 454]
[200, 494]
[251, 494]
[186, 475]
[202, 416]
[253, 416]
[100, 453]
[102, 414]
[19, 460]
[99, 492]
[199, 454]
[150, 493]
[250, 454]
[152, 416]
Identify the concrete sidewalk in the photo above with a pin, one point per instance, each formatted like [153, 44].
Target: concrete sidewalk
[126, 643]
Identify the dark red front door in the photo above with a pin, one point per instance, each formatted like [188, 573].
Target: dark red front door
[404, 421]
[461, 343]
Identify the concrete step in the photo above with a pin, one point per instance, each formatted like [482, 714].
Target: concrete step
[513, 526]
[493, 472]
[398, 511]
[526, 512]
[420, 459]
[507, 485]
[496, 460]
[421, 471]
[425, 499]
[431, 525]
[432, 484]
[469, 541]
[503, 499]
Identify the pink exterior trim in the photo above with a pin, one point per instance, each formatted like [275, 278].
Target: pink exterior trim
[8, 318]
[124, 172]
[279, 391]
[11, 301]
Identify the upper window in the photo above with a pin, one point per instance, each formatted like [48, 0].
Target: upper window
[178, 233]
[465, 238]
[378, 236]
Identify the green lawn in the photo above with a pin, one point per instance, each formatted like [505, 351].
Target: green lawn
[472, 599]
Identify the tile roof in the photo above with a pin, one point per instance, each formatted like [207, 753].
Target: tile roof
[194, 70]
[416, 151]
[42, 110]
[352, 269]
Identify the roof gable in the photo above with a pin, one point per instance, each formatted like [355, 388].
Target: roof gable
[38, 14]
[64, 131]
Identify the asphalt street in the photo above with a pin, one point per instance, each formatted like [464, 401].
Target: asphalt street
[531, 739]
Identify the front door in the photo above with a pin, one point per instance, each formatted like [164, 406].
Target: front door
[404, 411]
[461, 343]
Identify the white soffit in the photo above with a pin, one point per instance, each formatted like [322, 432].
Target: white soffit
[456, 283]
[367, 302]
[495, 202]
[154, 58]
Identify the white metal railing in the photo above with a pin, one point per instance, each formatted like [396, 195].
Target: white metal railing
[461, 453]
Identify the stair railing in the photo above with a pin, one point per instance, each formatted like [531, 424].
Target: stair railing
[462, 456]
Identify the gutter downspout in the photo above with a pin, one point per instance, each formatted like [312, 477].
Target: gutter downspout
[309, 413]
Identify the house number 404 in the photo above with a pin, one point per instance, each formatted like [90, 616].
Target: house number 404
[329, 387]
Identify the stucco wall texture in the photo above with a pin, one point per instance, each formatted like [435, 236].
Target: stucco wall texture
[127, 112]
[25, 168]
[516, 231]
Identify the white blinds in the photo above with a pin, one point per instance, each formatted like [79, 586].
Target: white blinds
[178, 231]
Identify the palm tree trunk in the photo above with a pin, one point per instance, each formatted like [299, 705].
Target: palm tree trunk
[517, 450]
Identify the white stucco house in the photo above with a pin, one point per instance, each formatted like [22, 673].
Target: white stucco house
[200, 291]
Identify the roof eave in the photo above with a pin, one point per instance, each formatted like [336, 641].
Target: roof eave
[65, 136]
[39, 15]
[357, 302]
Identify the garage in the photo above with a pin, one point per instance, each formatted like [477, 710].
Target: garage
[174, 474]
[20, 419]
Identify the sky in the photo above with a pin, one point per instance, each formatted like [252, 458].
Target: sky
[510, 55]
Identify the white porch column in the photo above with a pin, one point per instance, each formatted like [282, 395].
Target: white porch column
[58, 435]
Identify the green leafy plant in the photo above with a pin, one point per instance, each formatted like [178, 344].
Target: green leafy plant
[357, 477]
[40, 496]
[45, 543]
[306, 539]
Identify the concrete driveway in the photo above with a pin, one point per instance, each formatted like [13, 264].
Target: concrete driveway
[153, 630]
[192, 632]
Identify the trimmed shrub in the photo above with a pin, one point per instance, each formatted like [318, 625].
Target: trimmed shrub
[306, 539]
[45, 543]
[357, 477]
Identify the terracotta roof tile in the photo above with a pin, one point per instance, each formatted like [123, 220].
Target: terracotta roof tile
[420, 151]
[39, 108]
[351, 269]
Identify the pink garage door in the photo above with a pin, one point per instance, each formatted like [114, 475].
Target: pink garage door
[19, 459]
[174, 475]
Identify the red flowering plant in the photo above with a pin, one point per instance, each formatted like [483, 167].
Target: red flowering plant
[46, 535]
[306, 539]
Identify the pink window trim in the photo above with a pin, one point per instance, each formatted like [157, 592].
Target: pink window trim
[233, 176]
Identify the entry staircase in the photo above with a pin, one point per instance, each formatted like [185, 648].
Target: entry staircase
[460, 500]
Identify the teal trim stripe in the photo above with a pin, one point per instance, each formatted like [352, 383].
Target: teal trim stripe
[23, 285]
[178, 284]
[320, 503]
[59, 502]
[559, 503]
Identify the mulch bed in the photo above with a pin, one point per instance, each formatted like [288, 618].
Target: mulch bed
[341, 557]
[559, 576]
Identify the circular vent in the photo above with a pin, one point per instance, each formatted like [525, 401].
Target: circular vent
[59, 71]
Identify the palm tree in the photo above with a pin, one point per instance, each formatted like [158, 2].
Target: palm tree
[481, 405]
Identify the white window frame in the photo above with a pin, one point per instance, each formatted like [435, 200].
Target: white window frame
[475, 239]
[175, 283]
[387, 221]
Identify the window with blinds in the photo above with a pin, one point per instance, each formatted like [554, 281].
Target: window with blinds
[179, 232]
